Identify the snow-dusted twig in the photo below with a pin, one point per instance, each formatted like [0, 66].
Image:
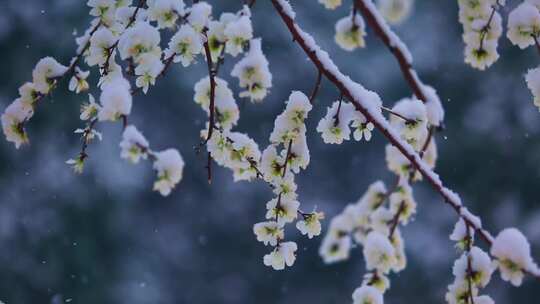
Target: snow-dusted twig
[394, 44]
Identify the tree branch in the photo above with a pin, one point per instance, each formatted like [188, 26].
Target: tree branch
[351, 90]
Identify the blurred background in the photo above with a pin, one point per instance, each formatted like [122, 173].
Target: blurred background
[105, 237]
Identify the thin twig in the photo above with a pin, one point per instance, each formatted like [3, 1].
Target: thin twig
[316, 87]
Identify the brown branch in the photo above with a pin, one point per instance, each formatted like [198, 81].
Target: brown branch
[335, 76]
[404, 64]
[395, 220]
[469, 263]
[398, 115]
[316, 87]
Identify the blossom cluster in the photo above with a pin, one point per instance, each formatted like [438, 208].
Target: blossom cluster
[482, 28]
[524, 31]
[372, 223]
[286, 155]
[509, 253]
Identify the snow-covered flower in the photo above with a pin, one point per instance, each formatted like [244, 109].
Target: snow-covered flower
[402, 202]
[289, 125]
[253, 72]
[237, 33]
[374, 196]
[481, 55]
[140, 39]
[77, 164]
[103, 9]
[89, 109]
[286, 187]
[43, 75]
[268, 232]
[481, 267]
[330, 4]
[271, 164]
[461, 236]
[533, 82]
[13, 119]
[350, 32]
[513, 254]
[523, 25]
[380, 220]
[334, 127]
[310, 224]
[28, 94]
[283, 254]
[185, 45]
[363, 128]
[165, 12]
[199, 15]
[78, 82]
[483, 300]
[134, 145]
[458, 292]
[115, 99]
[283, 210]
[148, 69]
[377, 280]
[378, 252]
[227, 112]
[335, 249]
[100, 49]
[395, 11]
[397, 162]
[411, 122]
[169, 166]
[367, 295]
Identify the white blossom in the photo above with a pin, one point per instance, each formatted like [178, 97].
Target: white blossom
[134, 145]
[461, 235]
[367, 295]
[237, 33]
[12, 122]
[402, 202]
[43, 75]
[533, 82]
[411, 122]
[284, 212]
[227, 112]
[185, 45]
[378, 252]
[100, 50]
[513, 254]
[330, 4]
[310, 224]
[334, 127]
[268, 232]
[89, 109]
[334, 249]
[140, 39]
[395, 11]
[283, 254]
[199, 15]
[78, 82]
[115, 99]
[481, 267]
[169, 166]
[148, 69]
[523, 24]
[165, 12]
[350, 32]
[253, 73]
